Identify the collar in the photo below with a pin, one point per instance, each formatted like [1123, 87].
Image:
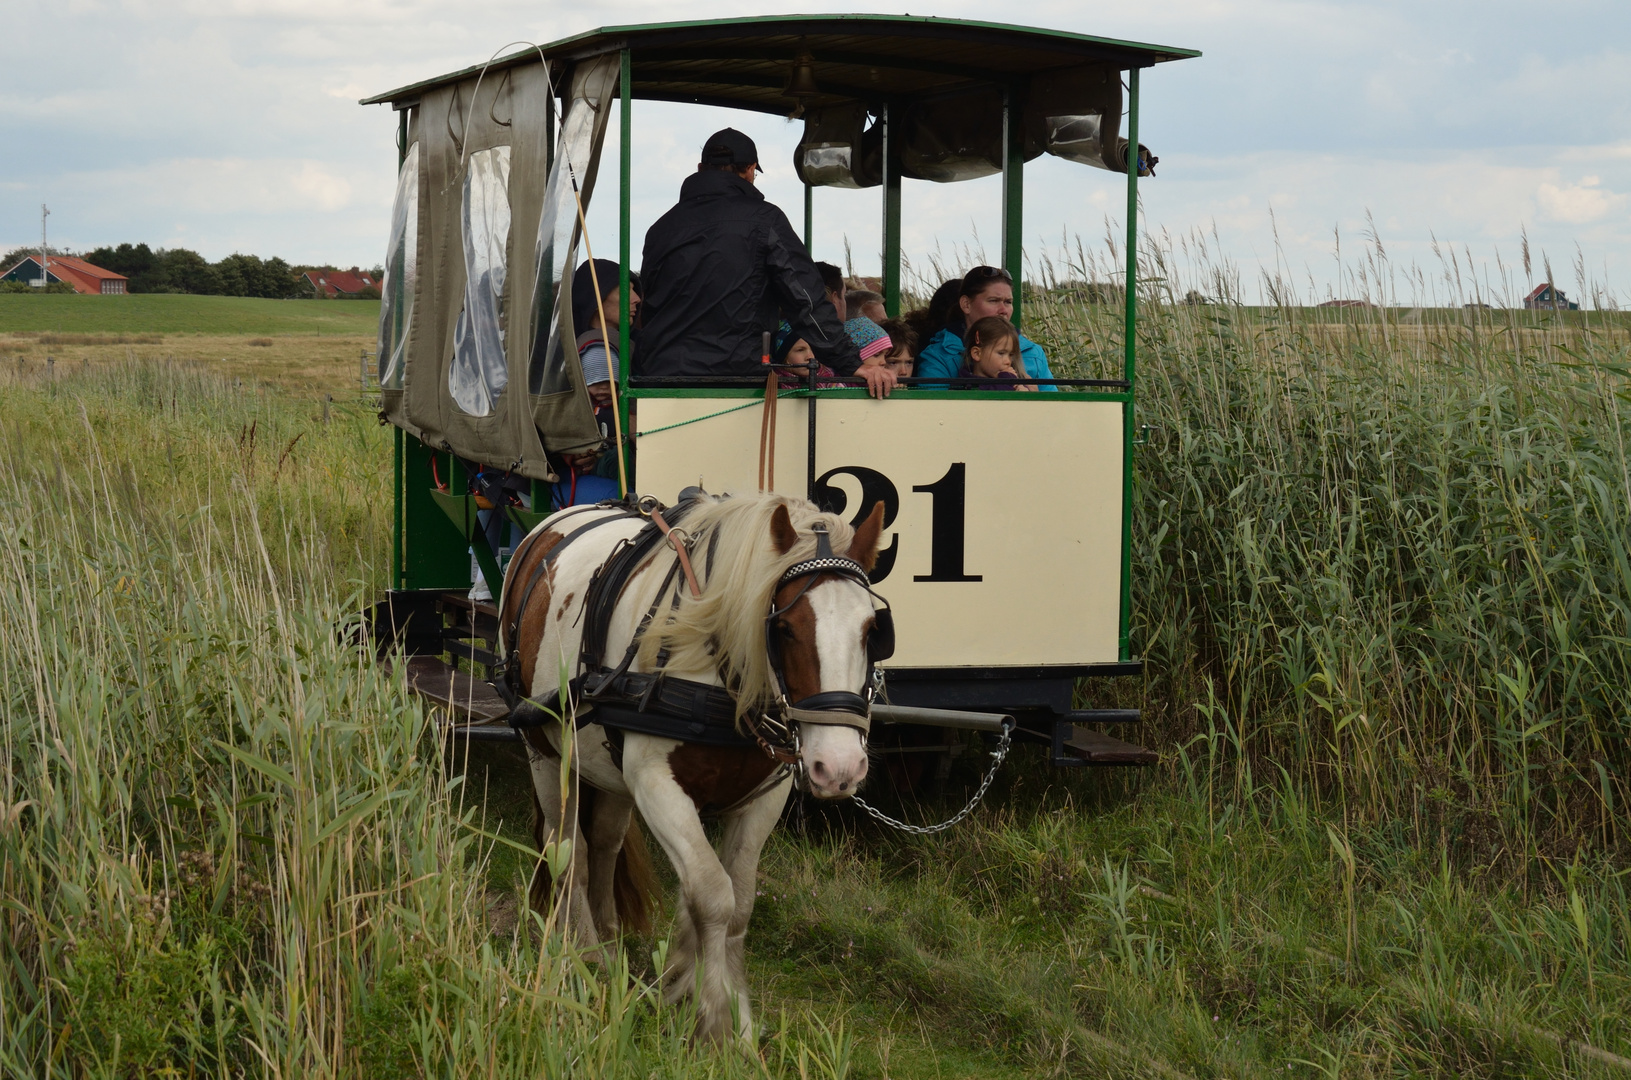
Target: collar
[715, 183]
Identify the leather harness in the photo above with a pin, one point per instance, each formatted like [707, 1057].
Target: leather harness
[654, 703]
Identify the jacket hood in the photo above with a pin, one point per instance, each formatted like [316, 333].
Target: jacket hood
[714, 182]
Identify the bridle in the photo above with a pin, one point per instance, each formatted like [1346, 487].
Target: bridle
[834, 708]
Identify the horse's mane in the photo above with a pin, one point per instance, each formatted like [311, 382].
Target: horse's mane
[724, 630]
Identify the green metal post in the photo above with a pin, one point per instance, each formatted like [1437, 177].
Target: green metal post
[1129, 364]
[891, 214]
[625, 103]
[809, 215]
[399, 571]
[1013, 195]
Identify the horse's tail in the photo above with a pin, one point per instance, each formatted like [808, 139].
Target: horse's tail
[635, 888]
[634, 884]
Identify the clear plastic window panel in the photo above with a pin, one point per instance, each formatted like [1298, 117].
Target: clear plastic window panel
[479, 373]
[829, 166]
[401, 274]
[557, 248]
[1077, 138]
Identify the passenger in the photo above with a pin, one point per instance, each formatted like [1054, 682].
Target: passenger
[991, 351]
[986, 291]
[926, 322]
[873, 342]
[867, 303]
[598, 357]
[722, 267]
[903, 348]
[832, 279]
[793, 356]
[579, 483]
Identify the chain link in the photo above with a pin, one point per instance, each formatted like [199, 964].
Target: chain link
[997, 756]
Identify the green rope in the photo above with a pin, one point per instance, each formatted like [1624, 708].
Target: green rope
[801, 392]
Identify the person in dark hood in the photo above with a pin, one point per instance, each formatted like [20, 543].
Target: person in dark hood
[723, 267]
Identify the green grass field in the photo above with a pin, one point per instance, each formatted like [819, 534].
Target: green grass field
[178, 314]
[1384, 592]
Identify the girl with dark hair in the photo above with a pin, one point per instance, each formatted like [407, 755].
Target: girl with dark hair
[986, 292]
[991, 351]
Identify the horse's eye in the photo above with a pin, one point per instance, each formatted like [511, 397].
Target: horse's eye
[784, 629]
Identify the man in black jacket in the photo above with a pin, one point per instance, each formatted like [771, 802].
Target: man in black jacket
[723, 267]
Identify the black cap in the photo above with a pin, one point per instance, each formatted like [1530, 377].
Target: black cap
[730, 147]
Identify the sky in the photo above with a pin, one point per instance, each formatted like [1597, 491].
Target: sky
[1428, 144]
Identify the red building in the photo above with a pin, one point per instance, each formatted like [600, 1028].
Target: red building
[339, 283]
[86, 279]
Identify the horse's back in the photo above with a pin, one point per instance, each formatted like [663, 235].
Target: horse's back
[546, 584]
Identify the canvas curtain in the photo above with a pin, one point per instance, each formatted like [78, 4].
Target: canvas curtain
[559, 401]
[484, 156]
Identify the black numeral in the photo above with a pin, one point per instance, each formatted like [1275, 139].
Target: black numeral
[875, 488]
[947, 527]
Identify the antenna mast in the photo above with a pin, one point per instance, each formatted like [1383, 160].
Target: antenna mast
[45, 259]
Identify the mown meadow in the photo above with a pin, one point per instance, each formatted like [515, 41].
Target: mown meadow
[1382, 593]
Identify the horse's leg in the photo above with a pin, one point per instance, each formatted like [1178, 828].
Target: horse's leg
[560, 806]
[608, 824]
[746, 831]
[707, 898]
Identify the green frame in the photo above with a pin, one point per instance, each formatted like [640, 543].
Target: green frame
[428, 546]
[1013, 210]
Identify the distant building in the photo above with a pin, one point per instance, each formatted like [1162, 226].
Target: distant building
[339, 283]
[1348, 303]
[1547, 298]
[86, 279]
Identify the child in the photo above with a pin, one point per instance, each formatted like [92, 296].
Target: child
[903, 348]
[991, 351]
[871, 340]
[796, 354]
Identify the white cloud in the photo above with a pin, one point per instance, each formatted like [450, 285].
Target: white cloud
[233, 123]
[1577, 204]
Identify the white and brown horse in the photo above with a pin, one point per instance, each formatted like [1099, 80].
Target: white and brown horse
[742, 547]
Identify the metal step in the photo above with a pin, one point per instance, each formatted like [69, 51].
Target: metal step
[1075, 746]
[472, 707]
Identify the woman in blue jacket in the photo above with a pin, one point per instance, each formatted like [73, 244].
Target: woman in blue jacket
[987, 291]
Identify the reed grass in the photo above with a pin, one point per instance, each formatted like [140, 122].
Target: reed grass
[227, 842]
[1384, 547]
[1381, 588]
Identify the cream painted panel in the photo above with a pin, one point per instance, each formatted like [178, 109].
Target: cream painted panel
[1040, 521]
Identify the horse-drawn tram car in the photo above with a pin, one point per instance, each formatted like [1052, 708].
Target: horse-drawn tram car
[1006, 576]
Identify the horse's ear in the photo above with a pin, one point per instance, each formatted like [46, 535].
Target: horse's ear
[782, 532]
[864, 548]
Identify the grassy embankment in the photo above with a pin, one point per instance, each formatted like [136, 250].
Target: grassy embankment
[1383, 592]
[303, 346]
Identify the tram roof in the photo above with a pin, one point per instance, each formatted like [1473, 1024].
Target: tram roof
[745, 63]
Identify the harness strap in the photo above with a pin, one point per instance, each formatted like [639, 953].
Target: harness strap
[861, 722]
[514, 632]
[767, 434]
[676, 537]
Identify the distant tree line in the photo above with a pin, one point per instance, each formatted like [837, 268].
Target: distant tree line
[180, 270]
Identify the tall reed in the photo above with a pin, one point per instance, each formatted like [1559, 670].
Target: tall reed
[227, 841]
[1394, 539]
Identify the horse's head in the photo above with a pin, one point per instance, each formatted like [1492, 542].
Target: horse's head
[824, 633]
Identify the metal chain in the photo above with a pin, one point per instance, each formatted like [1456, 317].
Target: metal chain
[925, 830]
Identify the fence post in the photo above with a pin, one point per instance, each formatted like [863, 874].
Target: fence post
[362, 370]
[326, 399]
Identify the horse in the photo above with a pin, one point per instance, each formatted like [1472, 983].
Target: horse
[748, 606]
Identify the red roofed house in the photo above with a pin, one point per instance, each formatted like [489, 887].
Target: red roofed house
[1546, 298]
[86, 279]
[339, 283]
